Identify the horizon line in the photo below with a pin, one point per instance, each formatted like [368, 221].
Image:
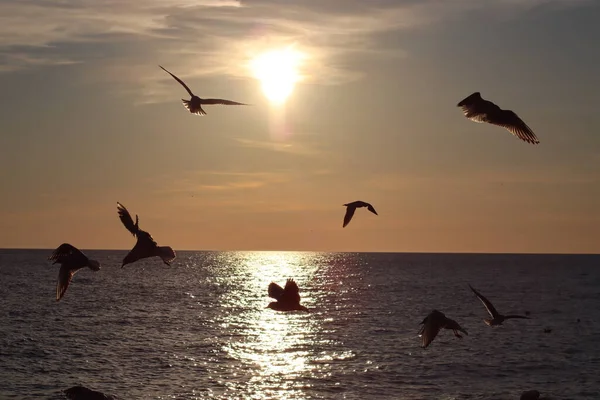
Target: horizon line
[321, 251]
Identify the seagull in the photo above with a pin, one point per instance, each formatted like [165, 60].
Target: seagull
[194, 105]
[288, 298]
[432, 324]
[479, 110]
[83, 393]
[71, 260]
[145, 246]
[497, 318]
[351, 207]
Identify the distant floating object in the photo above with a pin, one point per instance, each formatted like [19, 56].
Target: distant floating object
[497, 318]
[351, 208]
[479, 110]
[83, 393]
[547, 330]
[433, 323]
[145, 246]
[532, 395]
[194, 105]
[71, 260]
[288, 298]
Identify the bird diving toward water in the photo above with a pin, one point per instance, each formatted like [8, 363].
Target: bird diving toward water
[194, 105]
[71, 260]
[433, 323]
[351, 207]
[145, 246]
[288, 298]
[497, 318]
[479, 110]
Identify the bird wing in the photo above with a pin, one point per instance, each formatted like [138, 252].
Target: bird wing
[291, 292]
[126, 219]
[372, 209]
[488, 306]
[67, 251]
[275, 291]
[180, 81]
[430, 329]
[65, 275]
[349, 213]
[222, 102]
[515, 125]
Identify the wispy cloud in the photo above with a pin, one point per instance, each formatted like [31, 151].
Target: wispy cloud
[208, 37]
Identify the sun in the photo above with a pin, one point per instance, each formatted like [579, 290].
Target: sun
[277, 70]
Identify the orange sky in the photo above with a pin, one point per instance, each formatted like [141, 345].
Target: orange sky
[88, 119]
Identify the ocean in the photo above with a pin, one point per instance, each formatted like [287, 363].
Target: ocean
[200, 328]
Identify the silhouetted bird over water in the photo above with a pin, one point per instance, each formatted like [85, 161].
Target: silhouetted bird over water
[71, 260]
[479, 110]
[351, 208]
[288, 298]
[83, 393]
[145, 246]
[433, 323]
[194, 105]
[497, 318]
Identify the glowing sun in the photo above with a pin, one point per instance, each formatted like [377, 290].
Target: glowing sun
[278, 73]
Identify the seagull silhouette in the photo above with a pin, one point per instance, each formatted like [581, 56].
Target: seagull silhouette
[351, 207]
[194, 105]
[288, 298]
[479, 110]
[433, 323]
[145, 246]
[71, 260]
[497, 318]
[83, 393]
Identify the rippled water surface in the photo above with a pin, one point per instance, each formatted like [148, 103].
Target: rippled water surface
[201, 329]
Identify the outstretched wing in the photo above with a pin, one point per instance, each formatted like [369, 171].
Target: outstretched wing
[372, 209]
[348, 216]
[67, 251]
[180, 81]
[126, 219]
[488, 306]
[431, 327]
[515, 125]
[222, 102]
[291, 292]
[452, 324]
[65, 275]
[275, 291]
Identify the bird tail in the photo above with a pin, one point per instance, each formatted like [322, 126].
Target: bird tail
[194, 110]
[166, 253]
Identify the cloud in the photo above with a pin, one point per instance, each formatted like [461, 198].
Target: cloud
[214, 37]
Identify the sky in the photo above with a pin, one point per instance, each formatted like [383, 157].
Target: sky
[88, 119]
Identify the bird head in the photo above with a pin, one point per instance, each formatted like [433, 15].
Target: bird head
[94, 265]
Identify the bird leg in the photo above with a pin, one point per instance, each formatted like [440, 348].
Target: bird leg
[458, 335]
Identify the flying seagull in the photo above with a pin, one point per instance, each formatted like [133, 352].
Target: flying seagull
[71, 260]
[433, 323]
[145, 246]
[194, 105]
[479, 110]
[351, 207]
[288, 298]
[497, 318]
[83, 393]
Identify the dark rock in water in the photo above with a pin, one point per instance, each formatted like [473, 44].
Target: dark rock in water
[83, 393]
[547, 330]
[530, 395]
